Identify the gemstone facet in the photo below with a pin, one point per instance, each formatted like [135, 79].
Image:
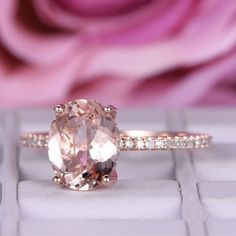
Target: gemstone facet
[83, 145]
[150, 143]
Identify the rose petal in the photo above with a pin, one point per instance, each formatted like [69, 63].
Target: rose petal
[106, 89]
[30, 46]
[39, 86]
[101, 8]
[188, 90]
[218, 96]
[149, 22]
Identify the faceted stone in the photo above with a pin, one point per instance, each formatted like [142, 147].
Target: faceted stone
[197, 142]
[83, 144]
[140, 143]
[122, 144]
[189, 143]
[129, 143]
[173, 143]
[160, 143]
[150, 143]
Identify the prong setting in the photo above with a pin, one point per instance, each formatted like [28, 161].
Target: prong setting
[106, 180]
[109, 179]
[110, 111]
[57, 180]
[59, 109]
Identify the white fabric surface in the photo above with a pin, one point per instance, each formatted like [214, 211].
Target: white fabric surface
[139, 199]
[219, 123]
[143, 200]
[221, 227]
[218, 199]
[102, 227]
[216, 164]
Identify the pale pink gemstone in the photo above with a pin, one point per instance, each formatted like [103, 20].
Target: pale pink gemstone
[82, 145]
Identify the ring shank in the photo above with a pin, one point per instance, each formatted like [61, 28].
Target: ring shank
[131, 140]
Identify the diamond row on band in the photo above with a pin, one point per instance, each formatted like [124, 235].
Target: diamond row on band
[135, 143]
[35, 140]
[164, 143]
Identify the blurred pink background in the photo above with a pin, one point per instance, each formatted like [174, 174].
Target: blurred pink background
[127, 53]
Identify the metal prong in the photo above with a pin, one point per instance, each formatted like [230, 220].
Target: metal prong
[109, 179]
[110, 110]
[56, 180]
[106, 180]
[59, 109]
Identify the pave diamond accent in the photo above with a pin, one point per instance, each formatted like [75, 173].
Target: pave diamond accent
[121, 144]
[161, 143]
[129, 143]
[164, 142]
[36, 140]
[136, 143]
[150, 143]
[140, 143]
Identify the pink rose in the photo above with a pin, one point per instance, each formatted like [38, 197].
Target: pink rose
[139, 52]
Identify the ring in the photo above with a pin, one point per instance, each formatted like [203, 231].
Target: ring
[84, 142]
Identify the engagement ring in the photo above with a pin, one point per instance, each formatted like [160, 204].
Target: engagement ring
[84, 142]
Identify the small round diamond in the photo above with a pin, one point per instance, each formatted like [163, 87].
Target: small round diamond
[129, 143]
[205, 142]
[181, 143]
[35, 141]
[171, 144]
[150, 143]
[198, 142]
[160, 143]
[176, 143]
[140, 143]
[189, 143]
[122, 144]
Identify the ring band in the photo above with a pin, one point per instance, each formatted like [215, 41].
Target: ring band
[84, 142]
[134, 140]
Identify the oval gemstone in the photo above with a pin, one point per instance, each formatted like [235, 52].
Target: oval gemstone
[82, 145]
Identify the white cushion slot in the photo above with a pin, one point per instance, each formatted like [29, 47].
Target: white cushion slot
[218, 199]
[34, 164]
[139, 199]
[221, 227]
[36, 120]
[102, 227]
[145, 165]
[147, 119]
[215, 164]
[218, 123]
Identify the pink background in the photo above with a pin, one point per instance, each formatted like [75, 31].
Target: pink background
[127, 52]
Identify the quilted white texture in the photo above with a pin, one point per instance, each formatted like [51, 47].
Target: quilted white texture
[128, 199]
[158, 193]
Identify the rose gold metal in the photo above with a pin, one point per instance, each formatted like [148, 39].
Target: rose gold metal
[133, 140]
[110, 111]
[59, 109]
[56, 180]
[109, 179]
[106, 180]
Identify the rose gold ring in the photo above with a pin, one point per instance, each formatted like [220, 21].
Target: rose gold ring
[83, 143]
